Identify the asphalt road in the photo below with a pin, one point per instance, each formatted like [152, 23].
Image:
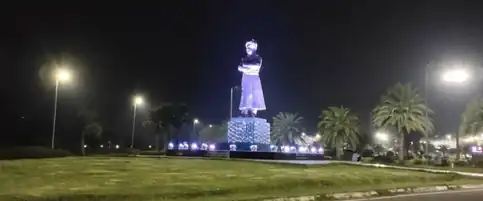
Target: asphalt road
[461, 195]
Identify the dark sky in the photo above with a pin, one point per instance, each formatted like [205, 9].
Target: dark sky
[316, 54]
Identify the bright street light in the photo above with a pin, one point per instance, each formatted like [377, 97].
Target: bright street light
[382, 136]
[138, 100]
[61, 75]
[303, 133]
[210, 125]
[456, 76]
[448, 136]
[195, 121]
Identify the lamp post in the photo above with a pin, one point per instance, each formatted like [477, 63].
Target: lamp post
[195, 121]
[137, 101]
[61, 75]
[456, 75]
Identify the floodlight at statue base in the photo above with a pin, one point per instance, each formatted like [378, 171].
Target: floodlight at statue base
[249, 130]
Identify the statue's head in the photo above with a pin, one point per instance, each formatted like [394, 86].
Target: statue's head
[251, 47]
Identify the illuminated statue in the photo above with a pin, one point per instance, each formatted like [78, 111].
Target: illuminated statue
[252, 99]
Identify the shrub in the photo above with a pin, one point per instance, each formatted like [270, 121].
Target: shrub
[417, 161]
[390, 154]
[367, 159]
[383, 159]
[479, 164]
[31, 152]
[460, 163]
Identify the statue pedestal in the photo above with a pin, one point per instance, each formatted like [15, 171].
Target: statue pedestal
[249, 130]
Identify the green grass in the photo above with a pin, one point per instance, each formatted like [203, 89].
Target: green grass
[139, 179]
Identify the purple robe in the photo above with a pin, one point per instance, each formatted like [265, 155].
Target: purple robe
[252, 93]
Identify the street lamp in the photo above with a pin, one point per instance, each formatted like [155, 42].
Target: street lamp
[61, 75]
[138, 100]
[195, 121]
[231, 99]
[457, 75]
[210, 125]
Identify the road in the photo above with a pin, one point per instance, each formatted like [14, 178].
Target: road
[463, 195]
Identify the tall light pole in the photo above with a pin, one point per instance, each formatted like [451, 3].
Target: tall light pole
[456, 75]
[61, 75]
[137, 101]
[195, 121]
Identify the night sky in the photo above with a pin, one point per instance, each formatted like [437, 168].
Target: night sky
[316, 54]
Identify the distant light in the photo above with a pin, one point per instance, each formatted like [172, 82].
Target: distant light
[303, 133]
[382, 136]
[195, 121]
[273, 148]
[302, 149]
[286, 148]
[321, 150]
[292, 148]
[313, 150]
[117, 146]
[149, 146]
[253, 147]
[204, 146]
[170, 145]
[85, 146]
[210, 125]
[232, 147]
[456, 76]
[102, 146]
[194, 146]
[212, 147]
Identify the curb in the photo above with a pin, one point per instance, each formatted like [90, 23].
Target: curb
[368, 194]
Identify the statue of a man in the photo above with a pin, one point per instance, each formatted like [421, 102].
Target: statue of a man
[252, 99]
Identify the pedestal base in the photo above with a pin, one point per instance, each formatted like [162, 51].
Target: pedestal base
[248, 130]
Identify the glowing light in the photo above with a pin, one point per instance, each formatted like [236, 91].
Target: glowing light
[117, 146]
[170, 145]
[273, 148]
[232, 147]
[292, 148]
[62, 75]
[303, 133]
[195, 121]
[138, 100]
[194, 146]
[286, 148]
[102, 146]
[321, 150]
[210, 125]
[456, 76]
[253, 147]
[212, 147]
[448, 136]
[85, 146]
[382, 136]
[313, 150]
[204, 146]
[149, 146]
[302, 149]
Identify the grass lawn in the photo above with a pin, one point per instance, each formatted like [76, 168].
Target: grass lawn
[139, 179]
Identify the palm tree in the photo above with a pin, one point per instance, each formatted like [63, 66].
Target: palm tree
[92, 129]
[172, 117]
[287, 129]
[339, 126]
[214, 133]
[402, 109]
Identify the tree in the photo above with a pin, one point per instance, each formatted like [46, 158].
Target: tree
[172, 117]
[402, 109]
[156, 126]
[472, 119]
[92, 129]
[287, 129]
[338, 126]
[214, 133]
